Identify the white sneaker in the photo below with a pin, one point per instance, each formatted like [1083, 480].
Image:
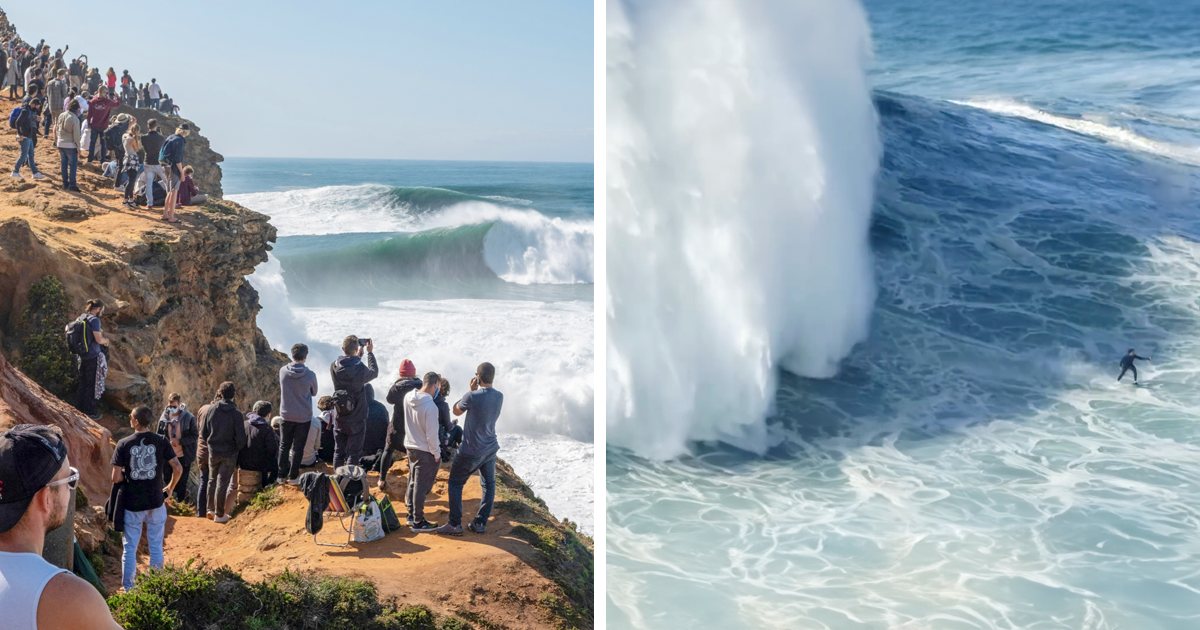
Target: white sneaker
[221, 519]
[39, 176]
[294, 482]
[17, 175]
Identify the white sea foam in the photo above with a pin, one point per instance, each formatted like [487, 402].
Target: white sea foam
[1118, 136]
[742, 149]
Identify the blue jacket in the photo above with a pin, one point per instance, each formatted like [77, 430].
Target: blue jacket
[172, 150]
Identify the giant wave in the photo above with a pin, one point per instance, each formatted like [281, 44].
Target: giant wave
[742, 149]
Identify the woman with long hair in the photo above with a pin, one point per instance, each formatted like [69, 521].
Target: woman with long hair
[112, 80]
[131, 142]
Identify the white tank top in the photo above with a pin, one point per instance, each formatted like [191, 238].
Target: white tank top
[23, 576]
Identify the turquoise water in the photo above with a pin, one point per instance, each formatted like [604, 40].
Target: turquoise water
[447, 264]
[973, 463]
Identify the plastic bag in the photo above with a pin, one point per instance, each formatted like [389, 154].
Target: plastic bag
[368, 523]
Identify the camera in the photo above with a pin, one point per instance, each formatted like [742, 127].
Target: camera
[363, 341]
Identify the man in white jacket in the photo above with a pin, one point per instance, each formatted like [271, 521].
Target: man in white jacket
[424, 449]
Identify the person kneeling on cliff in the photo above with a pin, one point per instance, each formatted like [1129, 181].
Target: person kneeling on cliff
[224, 430]
[178, 425]
[262, 445]
[351, 375]
[89, 361]
[139, 463]
[38, 488]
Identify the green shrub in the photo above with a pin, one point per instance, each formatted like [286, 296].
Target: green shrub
[44, 355]
[81, 500]
[185, 597]
[179, 508]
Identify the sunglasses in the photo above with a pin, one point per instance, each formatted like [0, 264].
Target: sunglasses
[71, 481]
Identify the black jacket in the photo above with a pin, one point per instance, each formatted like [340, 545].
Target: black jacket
[189, 433]
[378, 424]
[352, 375]
[224, 429]
[395, 397]
[315, 487]
[262, 447]
[114, 509]
[445, 424]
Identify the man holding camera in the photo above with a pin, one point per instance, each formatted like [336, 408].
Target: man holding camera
[351, 375]
[478, 452]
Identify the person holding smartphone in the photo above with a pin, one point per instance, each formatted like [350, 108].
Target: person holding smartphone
[351, 375]
[478, 451]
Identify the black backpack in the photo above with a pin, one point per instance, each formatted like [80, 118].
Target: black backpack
[76, 333]
[112, 139]
[343, 403]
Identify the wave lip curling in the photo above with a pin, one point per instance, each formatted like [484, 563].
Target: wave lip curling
[742, 150]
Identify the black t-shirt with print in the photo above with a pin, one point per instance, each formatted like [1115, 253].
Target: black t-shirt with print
[144, 458]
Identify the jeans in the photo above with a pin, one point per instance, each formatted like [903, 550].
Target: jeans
[422, 472]
[347, 449]
[26, 156]
[85, 396]
[96, 137]
[119, 155]
[149, 172]
[460, 471]
[70, 163]
[156, 530]
[48, 119]
[291, 447]
[221, 469]
[154, 103]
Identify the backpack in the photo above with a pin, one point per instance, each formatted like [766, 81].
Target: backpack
[112, 138]
[391, 522]
[12, 118]
[343, 403]
[76, 333]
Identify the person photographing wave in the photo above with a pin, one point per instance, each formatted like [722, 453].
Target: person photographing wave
[1128, 366]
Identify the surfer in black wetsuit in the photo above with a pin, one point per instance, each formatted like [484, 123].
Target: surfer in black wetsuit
[1127, 364]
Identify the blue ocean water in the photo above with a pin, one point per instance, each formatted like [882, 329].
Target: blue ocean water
[973, 463]
[448, 264]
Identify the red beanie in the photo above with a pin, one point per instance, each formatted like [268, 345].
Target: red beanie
[407, 368]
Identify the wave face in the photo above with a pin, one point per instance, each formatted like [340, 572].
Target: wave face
[442, 234]
[742, 149]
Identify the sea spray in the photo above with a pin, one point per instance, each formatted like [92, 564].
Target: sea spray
[742, 150]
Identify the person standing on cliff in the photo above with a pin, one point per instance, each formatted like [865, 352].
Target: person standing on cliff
[10, 78]
[224, 430]
[351, 375]
[152, 144]
[297, 386]
[68, 138]
[178, 425]
[171, 157]
[85, 396]
[478, 451]
[97, 118]
[153, 93]
[56, 94]
[130, 146]
[38, 487]
[407, 382]
[423, 448]
[140, 462]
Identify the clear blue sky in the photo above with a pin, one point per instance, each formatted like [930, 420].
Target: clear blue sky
[465, 80]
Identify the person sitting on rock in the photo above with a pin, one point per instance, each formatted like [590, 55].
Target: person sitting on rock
[188, 193]
[261, 454]
[326, 441]
[178, 425]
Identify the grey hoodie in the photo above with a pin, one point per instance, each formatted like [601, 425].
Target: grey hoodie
[297, 386]
[421, 423]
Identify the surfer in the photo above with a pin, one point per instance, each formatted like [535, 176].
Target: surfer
[1127, 365]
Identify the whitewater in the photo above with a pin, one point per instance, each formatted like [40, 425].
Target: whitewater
[447, 268]
[952, 450]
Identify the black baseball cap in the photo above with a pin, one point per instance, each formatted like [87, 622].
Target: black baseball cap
[30, 457]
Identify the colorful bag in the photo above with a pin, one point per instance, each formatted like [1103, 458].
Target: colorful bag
[391, 522]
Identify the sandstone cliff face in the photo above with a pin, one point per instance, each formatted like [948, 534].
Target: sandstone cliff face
[180, 315]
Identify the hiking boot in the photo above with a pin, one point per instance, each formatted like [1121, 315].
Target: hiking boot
[476, 527]
[221, 519]
[425, 526]
[39, 176]
[449, 530]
